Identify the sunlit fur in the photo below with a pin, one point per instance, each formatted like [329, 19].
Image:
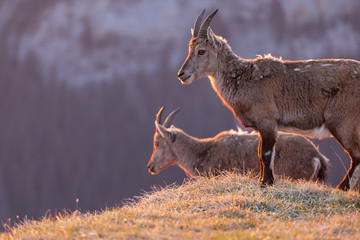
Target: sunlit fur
[296, 157]
[269, 94]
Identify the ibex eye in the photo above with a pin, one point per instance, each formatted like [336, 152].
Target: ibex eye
[156, 143]
[201, 52]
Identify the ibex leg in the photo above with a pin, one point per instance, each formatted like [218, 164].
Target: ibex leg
[348, 135]
[268, 134]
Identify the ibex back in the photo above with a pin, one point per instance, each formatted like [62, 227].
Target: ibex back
[318, 98]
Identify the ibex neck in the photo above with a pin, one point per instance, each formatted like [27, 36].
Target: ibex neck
[230, 69]
[229, 76]
[188, 151]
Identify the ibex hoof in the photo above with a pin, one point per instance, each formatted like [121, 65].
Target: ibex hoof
[343, 186]
[266, 182]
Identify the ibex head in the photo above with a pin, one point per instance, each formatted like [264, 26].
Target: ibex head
[203, 47]
[162, 155]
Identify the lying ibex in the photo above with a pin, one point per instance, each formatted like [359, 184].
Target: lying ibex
[317, 98]
[296, 157]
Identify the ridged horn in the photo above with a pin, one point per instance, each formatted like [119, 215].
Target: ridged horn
[158, 115]
[170, 118]
[206, 24]
[198, 24]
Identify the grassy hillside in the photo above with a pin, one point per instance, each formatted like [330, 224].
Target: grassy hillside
[225, 207]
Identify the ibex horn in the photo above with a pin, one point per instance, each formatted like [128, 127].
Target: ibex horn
[170, 118]
[158, 115]
[205, 25]
[198, 24]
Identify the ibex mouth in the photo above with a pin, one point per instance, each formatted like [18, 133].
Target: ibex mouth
[186, 80]
[153, 173]
[151, 170]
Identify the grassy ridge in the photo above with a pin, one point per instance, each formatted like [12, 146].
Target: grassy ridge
[225, 207]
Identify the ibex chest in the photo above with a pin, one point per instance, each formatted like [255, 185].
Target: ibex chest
[233, 96]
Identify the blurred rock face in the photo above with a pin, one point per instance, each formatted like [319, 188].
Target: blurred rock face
[81, 41]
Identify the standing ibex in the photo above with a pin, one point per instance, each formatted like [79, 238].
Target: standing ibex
[318, 98]
[296, 157]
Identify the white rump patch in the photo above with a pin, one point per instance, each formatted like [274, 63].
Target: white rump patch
[355, 177]
[318, 132]
[317, 167]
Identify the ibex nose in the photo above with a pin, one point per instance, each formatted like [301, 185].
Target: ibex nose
[151, 168]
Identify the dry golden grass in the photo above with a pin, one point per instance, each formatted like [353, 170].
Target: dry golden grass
[230, 206]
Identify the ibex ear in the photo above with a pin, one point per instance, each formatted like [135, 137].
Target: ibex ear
[165, 133]
[212, 38]
[210, 34]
